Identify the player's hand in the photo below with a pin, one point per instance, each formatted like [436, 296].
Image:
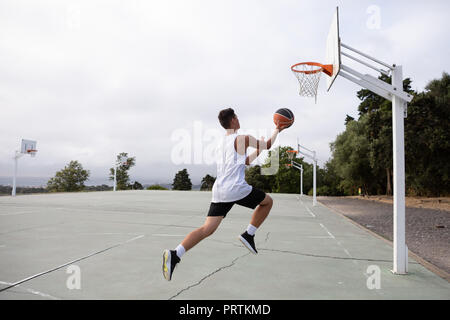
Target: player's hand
[280, 127]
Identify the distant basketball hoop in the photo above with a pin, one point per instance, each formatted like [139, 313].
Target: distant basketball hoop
[291, 154]
[26, 147]
[32, 152]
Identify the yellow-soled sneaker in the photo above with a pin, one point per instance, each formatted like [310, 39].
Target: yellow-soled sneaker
[170, 259]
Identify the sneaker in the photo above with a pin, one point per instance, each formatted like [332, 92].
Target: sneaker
[170, 259]
[248, 241]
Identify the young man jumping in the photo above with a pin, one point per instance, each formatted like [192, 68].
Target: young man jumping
[229, 188]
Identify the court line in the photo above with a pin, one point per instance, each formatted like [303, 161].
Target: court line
[307, 209]
[68, 263]
[319, 237]
[144, 212]
[329, 233]
[14, 213]
[45, 295]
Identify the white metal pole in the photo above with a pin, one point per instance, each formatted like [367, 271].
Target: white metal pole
[115, 174]
[314, 180]
[301, 181]
[398, 107]
[15, 175]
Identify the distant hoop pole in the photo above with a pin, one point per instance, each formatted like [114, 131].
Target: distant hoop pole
[31, 152]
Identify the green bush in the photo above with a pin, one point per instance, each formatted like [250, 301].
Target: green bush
[156, 187]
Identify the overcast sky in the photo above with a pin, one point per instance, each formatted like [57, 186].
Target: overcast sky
[90, 79]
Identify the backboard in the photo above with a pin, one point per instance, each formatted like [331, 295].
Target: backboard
[27, 145]
[333, 49]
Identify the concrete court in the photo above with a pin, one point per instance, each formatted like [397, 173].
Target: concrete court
[117, 239]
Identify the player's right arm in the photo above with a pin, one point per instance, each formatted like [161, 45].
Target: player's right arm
[245, 141]
[251, 141]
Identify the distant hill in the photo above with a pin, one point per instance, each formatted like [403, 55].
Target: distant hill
[195, 187]
[30, 182]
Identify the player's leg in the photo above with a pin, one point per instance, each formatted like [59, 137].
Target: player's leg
[201, 233]
[262, 203]
[216, 213]
[262, 211]
[172, 257]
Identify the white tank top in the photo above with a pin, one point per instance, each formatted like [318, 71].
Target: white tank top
[230, 184]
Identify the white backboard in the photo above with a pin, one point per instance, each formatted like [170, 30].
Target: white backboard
[27, 145]
[333, 51]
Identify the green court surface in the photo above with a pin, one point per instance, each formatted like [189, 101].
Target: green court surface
[116, 240]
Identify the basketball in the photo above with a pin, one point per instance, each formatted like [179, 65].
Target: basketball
[284, 117]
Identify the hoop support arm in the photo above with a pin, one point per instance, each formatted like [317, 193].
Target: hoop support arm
[367, 56]
[297, 165]
[308, 156]
[376, 85]
[312, 157]
[366, 64]
[299, 145]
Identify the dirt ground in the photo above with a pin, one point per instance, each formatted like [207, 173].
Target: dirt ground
[427, 222]
[441, 203]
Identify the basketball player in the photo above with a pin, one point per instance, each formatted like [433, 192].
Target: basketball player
[229, 188]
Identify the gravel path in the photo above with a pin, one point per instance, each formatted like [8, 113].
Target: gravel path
[427, 230]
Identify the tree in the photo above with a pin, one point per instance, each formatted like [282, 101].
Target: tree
[350, 151]
[378, 112]
[207, 183]
[69, 179]
[348, 119]
[254, 178]
[182, 181]
[137, 186]
[362, 154]
[122, 177]
[331, 185]
[427, 140]
[103, 187]
[286, 179]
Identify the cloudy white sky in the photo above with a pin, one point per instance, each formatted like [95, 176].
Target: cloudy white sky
[90, 79]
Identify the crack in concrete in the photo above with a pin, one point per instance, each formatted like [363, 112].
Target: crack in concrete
[324, 256]
[208, 276]
[267, 237]
[217, 270]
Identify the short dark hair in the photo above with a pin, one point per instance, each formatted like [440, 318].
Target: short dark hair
[225, 117]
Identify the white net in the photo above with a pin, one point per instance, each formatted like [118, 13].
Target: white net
[308, 77]
[291, 155]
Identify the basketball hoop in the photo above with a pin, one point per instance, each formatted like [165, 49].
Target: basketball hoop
[291, 154]
[308, 76]
[32, 152]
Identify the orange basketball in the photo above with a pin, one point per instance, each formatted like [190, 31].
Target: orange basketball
[284, 117]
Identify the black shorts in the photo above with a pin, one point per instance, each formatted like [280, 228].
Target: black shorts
[254, 198]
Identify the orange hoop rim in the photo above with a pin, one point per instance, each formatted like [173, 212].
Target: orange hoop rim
[291, 154]
[31, 151]
[327, 68]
